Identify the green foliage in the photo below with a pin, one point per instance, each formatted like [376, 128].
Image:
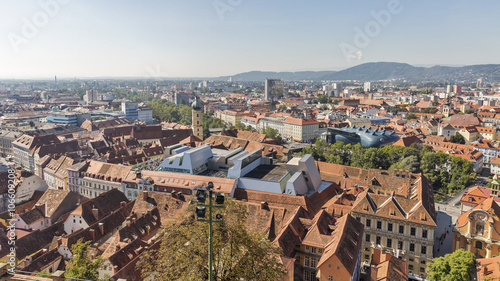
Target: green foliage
[182, 114]
[335, 102]
[457, 138]
[80, 266]
[323, 99]
[238, 254]
[448, 174]
[411, 116]
[456, 266]
[431, 110]
[272, 133]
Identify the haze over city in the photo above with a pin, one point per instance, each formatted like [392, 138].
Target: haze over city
[40, 39]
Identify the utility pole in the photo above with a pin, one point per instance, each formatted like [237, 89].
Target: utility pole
[200, 213]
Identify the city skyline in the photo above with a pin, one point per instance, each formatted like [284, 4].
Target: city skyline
[69, 39]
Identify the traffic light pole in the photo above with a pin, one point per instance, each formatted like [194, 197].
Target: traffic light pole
[210, 277]
[210, 221]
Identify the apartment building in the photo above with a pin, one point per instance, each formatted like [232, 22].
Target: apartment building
[99, 177]
[302, 130]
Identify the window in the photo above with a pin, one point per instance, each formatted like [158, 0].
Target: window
[412, 247]
[389, 227]
[422, 269]
[368, 222]
[423, 250]
[330, 278]
[306, 261]
[367, 237]
[401, 229]
[313, 262]
[313, 250]
[413, 231]
[377, 240]
[422, 261]
[400, 245]
[424, 233]
[389, 243]
[479, 245]
[379, 225]
[410, 267]
[307, 248]
[367, 257]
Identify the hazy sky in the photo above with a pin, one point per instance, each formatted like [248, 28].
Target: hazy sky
[186, 38]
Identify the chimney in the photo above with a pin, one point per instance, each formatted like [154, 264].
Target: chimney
[92, 233]
[407, 174]
[484, 270]
[263, 205]
[144, 195]
[379, 170]
[128, 223]
[117, 248]
[385, 257]
[138, 174]
[95, 212]
[395, 173]
[59, 242]
[101, 227]
[376, 256]
[123, 203]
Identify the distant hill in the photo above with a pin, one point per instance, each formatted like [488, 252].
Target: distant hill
[374, 71]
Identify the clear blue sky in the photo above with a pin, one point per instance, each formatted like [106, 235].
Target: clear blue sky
[186, 38]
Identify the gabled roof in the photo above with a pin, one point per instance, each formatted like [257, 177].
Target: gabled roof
[345, 243]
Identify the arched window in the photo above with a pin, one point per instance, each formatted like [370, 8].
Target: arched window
[479, 245]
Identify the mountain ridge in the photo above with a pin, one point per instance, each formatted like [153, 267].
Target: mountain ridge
[377, 71]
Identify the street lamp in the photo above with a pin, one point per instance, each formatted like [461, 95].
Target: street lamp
[201, 196]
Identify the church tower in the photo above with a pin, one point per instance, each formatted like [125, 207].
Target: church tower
[197, 126]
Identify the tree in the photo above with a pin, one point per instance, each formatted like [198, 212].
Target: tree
[323, 99]
[272, 133]
[457, 138]
[238, 254]
[411, 116]
[80, 266]
[456, 266]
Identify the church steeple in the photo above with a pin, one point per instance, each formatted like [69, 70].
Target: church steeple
[197, 111]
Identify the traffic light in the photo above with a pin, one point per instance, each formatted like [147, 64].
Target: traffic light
[219, 198]
[201, 196]
[200, 212]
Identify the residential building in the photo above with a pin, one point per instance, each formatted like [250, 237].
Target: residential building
[386, 267]
[476, 195]
[145, 114]
[470, 134]
[233, 116]
[130, 109]
[25, 145]
[487, 268]
[397, 210]
[273, 88]
[99, 177]
[490, 150]
[6, 139]
[302, 130]
[446, 130]
[495, 165]
[55, 172]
